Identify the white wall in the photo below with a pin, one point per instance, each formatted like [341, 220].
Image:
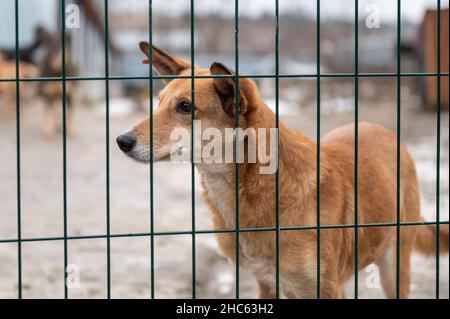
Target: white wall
[31, 14]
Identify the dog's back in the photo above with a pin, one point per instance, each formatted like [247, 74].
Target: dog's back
[377, 202]
[8, 89]
[377, 160]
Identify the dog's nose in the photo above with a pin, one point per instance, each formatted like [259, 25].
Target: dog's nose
[126, 142]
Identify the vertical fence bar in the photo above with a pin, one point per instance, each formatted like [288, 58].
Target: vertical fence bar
[277, 175]
[19, 200]
[152, 237]
[236, 103]
[108, 222]
[64, 120]
[318, 147]
[192, 149]
[399, 23]
[356, 146]
[438, 150]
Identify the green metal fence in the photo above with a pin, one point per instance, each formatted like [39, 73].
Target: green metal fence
[356, 75]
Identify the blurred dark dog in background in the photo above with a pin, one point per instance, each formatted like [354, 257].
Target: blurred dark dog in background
[52, 91]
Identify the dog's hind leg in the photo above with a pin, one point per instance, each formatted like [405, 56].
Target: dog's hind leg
[331, 289]
[406, 249]
[388, 267]
[266, 291]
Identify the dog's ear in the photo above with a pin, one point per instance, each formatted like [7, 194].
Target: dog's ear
[42, 35]
[226, 89]
[163, 62]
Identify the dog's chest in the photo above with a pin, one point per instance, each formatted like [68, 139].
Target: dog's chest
[221, 196]
[258, 254]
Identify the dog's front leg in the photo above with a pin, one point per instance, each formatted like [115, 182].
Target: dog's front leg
[49, 119]
[8, 103]
[69, 119]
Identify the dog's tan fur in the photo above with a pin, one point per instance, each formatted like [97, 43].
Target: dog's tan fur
[214, 106]
[8, 89]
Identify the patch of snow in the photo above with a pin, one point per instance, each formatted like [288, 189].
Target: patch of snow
[285, 108]
[225, 280]
[338, 104]
[118, 107]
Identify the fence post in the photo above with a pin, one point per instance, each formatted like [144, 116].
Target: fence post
[318, 146]
[108, 222]
[152, 230]
[356, 233]
[192, 147]
[398, 259]
[64, 121]
[438, 148]
[236, 116]
[19, 201]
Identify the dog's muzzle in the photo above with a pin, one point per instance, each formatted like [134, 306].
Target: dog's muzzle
[126, 142]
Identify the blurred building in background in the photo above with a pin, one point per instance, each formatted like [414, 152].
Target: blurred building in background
[214, 36]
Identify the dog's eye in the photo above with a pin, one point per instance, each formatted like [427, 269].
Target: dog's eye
[184, 108]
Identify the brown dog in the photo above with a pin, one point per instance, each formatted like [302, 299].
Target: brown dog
[8, 89]
[214, 106]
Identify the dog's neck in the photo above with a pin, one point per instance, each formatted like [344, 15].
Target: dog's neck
[297, 166]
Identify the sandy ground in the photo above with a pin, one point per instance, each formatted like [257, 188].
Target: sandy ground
[42, 210]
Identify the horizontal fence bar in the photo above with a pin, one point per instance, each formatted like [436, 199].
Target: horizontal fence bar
[224, 231]
[241, 76]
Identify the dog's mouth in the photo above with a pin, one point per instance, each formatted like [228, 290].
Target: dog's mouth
[141, 151]
[166, 156]
[142, 154]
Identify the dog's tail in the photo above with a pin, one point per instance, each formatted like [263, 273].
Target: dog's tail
[427, 237]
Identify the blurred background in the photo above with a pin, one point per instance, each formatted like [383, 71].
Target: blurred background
[130, 208]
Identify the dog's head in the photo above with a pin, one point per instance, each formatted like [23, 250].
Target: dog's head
[51, 64]
[214, 105]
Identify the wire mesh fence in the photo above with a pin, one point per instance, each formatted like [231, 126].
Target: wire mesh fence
[277, 229]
